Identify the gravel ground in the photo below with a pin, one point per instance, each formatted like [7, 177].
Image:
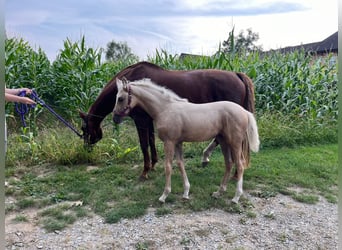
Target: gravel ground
[280, 223]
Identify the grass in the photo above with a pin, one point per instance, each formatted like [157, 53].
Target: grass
[114, 191]
[53, 173]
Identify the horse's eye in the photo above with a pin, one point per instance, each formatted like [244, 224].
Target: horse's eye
[120, 99]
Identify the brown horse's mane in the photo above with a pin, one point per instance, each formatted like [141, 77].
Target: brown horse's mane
[129, 68]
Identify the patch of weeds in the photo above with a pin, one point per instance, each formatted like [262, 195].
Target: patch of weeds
[128, 211]
[286, 191]
[51, 224]
[230, 238]
[306, 198]
[144, 245]
[331, 198]
[270, 215]
[41, 203]
[10, 191]
[243, 220]
[246, 203]
[250, 214]
[185, 241]
[58, 217]
[141, 246]
[266, 193]
[282, 237]
[234, 208]
[163, 211]
[80, 211]
[26, 203]
[10, 208]
[20, 218]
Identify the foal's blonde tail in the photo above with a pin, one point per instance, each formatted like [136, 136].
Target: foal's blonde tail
[251, 141]
[252, 133]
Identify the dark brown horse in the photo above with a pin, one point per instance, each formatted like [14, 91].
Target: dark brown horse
[198, 86]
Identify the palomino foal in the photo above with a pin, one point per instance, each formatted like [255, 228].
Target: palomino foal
[178, 121]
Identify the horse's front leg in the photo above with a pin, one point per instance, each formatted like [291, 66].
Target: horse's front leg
[143, 139]
[152, 144]
[169, 149]
[208, 151]
[180, 163]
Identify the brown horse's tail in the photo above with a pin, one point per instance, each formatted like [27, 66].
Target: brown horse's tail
[249, 102]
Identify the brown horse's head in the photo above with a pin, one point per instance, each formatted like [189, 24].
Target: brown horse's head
[92, 131]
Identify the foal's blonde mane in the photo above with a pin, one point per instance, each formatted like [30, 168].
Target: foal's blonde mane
[169, 94]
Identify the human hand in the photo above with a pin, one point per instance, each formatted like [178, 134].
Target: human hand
[27, 100]
[27, 90]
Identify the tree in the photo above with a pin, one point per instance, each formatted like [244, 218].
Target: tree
[119, 51]
[241, 43]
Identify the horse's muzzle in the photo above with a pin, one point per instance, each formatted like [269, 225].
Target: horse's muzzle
[117, 118]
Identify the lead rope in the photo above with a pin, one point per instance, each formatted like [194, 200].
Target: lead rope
[22, 109]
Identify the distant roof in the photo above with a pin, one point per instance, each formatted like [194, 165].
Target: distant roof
[330, 44]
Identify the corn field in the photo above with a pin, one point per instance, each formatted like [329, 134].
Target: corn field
[294, 84]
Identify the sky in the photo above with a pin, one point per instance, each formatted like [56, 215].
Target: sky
[177, 26]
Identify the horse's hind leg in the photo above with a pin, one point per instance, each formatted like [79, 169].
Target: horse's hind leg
[169, 149]
[228, 163]
[208, 151]
[180, 163]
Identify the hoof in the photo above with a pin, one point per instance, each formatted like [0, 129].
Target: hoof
[162, 200]
[205, 163]
[216, 195]
[235, 200]
[143, 178]
[185, 198]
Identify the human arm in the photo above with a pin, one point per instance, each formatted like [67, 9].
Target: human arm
[11, 95]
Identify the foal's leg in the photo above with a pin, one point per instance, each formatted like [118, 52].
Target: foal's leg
[169, 149]
[208, 151]
[180, 163]
[228, 162]
[240, 163]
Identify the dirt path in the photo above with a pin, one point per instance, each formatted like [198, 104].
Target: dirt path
[279, 223]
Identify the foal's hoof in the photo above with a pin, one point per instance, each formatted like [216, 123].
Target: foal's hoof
[185, 198]
[235, 201]
[216, 195]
